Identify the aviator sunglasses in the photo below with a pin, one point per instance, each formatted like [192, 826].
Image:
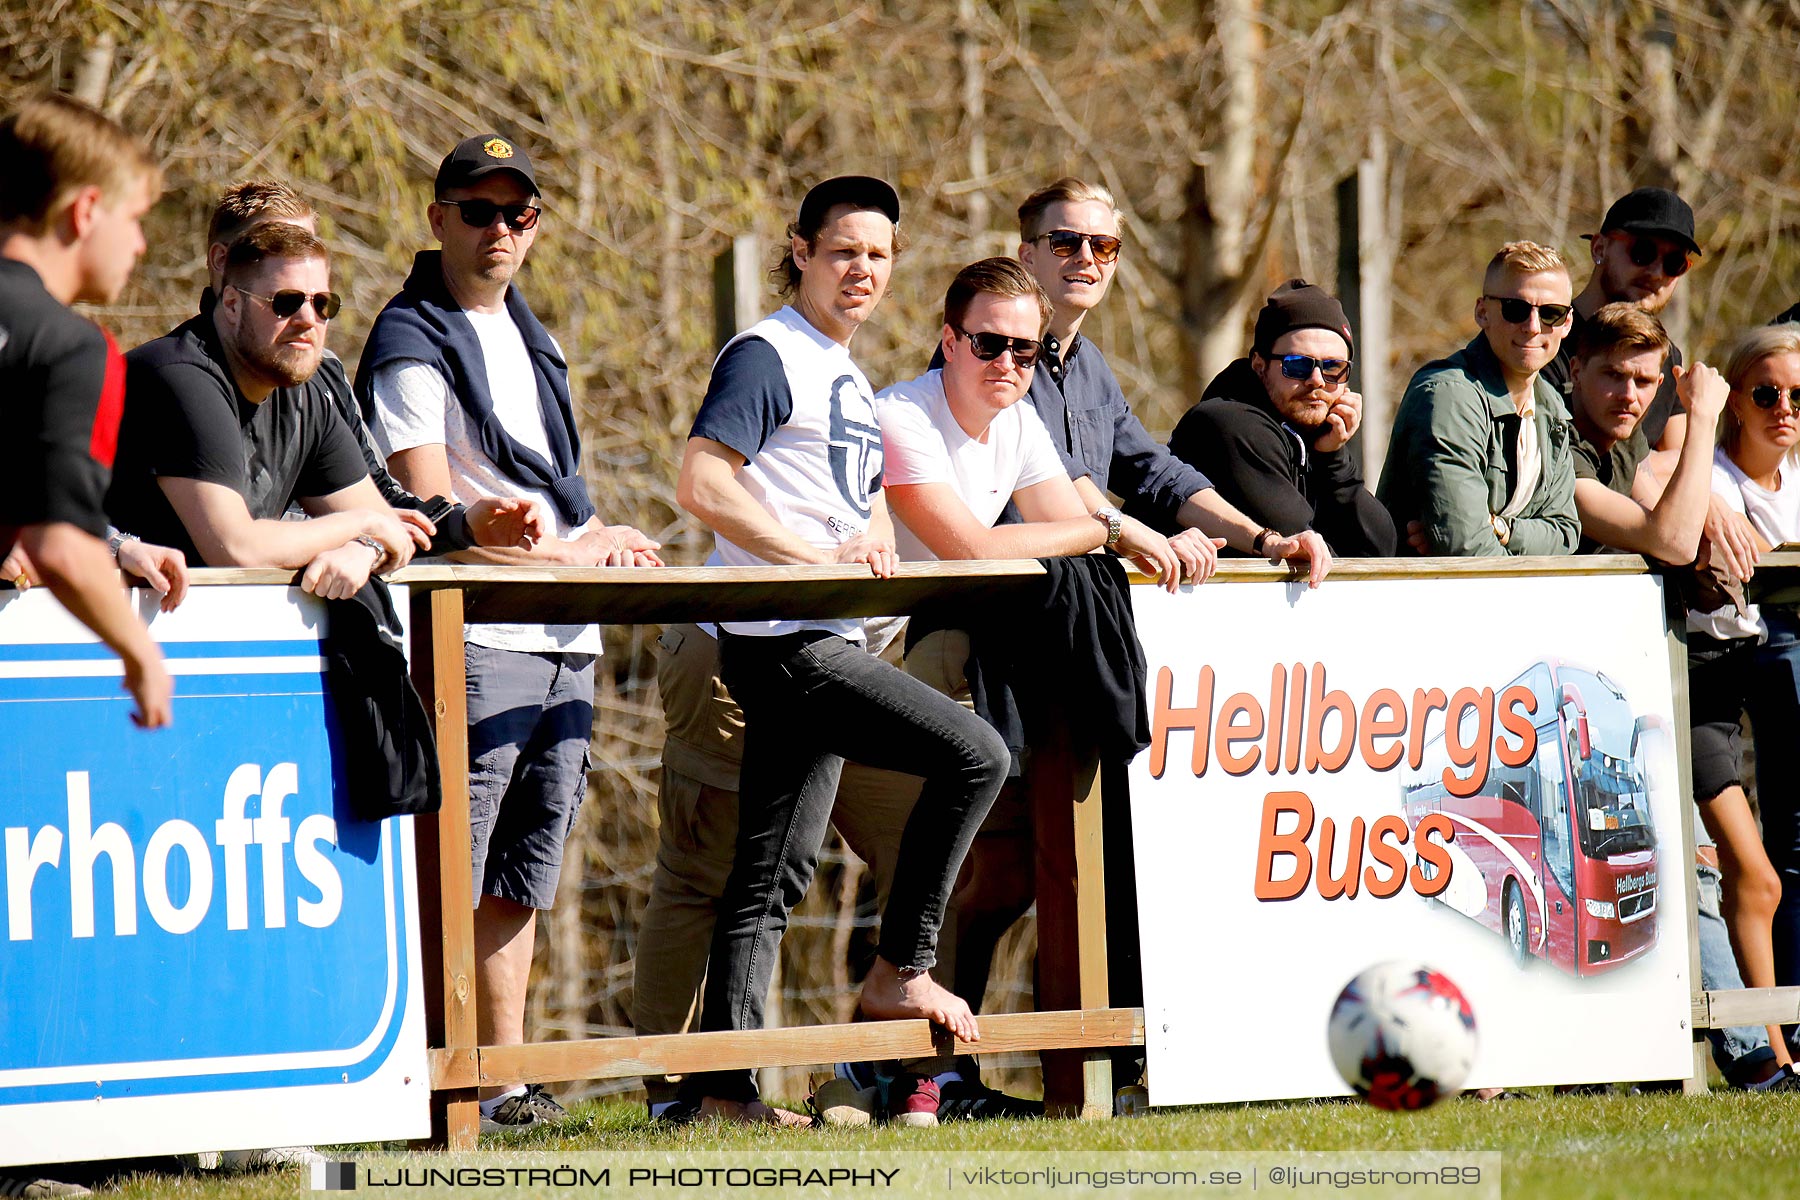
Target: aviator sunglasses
[989, 346]
[1767, 395]
[289, 301]
[1066, 243]
[1516, 311]
[1643, 252]
[1300, 366]
[479, 214]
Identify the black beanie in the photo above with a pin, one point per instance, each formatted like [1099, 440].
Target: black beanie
[1298, 304]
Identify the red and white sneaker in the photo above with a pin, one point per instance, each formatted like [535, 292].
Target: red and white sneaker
[913, 1101]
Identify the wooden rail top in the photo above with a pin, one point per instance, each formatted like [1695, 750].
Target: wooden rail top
[624, 595]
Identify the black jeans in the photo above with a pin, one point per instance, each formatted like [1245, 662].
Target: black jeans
[811, 700]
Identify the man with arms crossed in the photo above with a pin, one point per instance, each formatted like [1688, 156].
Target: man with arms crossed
[784, 464]
[75, 189]
[1479, 459]
[469, 397]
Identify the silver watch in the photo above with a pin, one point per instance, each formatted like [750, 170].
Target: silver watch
[1502, 528]
[1114, 521]
[116, 540]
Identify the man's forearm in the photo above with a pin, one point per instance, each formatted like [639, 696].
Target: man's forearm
[80, 572]
[1216, 516]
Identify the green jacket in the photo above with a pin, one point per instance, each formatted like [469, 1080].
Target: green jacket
[1451, 461]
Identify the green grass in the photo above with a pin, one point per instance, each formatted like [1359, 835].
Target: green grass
[1725, 1144]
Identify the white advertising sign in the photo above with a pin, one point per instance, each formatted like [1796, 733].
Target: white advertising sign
[1478, 774]
[204, 949]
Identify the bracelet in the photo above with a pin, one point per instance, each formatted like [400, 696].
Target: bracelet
[381, 553]
[1260, 540]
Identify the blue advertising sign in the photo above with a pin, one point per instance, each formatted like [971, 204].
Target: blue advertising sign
[194, 912]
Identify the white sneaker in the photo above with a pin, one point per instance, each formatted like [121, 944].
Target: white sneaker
[239, 1162]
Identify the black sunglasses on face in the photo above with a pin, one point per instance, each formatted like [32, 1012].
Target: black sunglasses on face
[479, 214]
[1515, 311]
[1643, 252]
[1300, 366]
[289, 301]
[1767, 395]
[1066, 243]
[989, 346]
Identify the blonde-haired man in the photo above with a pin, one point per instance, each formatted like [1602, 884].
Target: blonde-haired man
[1479, 461]
[72, 195]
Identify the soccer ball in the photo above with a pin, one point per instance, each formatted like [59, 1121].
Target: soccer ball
[1402, 1035]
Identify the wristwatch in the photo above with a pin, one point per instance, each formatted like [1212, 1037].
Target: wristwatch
[117, 538]
[1114, 521]
[381, 554]
[1502, 528]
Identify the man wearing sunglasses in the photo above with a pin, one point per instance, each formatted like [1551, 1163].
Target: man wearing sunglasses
[1069, 239]
[491, 521]
[1271, 429]
[1479, 460]
[468, 394]
[222, 434]
[1644, 248]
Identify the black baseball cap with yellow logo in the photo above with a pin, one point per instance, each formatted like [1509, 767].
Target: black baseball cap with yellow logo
[482, 155]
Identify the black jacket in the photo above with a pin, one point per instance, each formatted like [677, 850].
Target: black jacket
[1074, 638]
[1271, 472]
[383, 732]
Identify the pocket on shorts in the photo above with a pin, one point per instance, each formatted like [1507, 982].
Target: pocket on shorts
[581, 791]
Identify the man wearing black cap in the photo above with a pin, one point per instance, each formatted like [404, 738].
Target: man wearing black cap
[1270, 430]
[784, 464]
[468, 395]
[1644, 247]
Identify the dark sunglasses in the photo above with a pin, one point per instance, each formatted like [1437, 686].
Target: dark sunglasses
[479, 214]
[289, 301]
[1066, 243]
[1767, 395]
[989, 346]
[1643, 252]
[1515, 311]
[1300, 366]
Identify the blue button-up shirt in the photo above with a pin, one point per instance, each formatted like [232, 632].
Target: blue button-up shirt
[1097, 434]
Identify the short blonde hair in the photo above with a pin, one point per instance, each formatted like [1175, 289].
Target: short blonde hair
[54, 146]
[1067, 190]
[1765, 341]
[251, 201]
[1523, 258]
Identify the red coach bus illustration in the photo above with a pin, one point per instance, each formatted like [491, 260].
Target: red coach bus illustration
[1557, 855]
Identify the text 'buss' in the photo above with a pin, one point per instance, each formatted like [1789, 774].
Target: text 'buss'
[180, 875]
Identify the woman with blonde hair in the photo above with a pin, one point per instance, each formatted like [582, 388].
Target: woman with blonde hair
[1745, 657]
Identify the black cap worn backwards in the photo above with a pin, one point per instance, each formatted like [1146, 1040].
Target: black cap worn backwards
[1656, 211]
[482, 155]
[864, 191]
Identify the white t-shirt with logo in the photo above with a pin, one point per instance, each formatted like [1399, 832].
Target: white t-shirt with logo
[790, 400]
[1775, 515]
[925, 444]
[414, 406]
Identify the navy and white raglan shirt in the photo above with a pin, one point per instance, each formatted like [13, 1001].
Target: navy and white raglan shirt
[62, 392]
[790, 400]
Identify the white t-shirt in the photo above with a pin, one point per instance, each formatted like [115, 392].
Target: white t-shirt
[924, 444]
[414, 406]
[1775, 515]
[791, 401]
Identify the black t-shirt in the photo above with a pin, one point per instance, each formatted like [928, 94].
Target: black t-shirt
[187, 420]
[1616, 468]
[62, 389]
[1665, 404]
